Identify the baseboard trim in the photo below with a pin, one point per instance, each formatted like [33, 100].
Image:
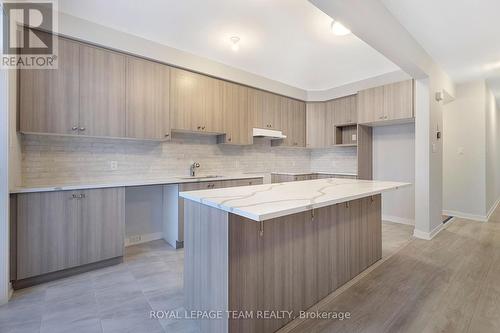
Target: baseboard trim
[32, 281]
[427, 235]
[397, 219]
[467, 216]
[492, 209]
[139, 239]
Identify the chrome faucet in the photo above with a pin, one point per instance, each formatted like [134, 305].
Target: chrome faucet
[192, 168]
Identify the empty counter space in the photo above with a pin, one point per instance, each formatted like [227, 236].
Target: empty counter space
[277, 247]
[281, 177]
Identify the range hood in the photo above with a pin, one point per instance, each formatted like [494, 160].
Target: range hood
[267, 133]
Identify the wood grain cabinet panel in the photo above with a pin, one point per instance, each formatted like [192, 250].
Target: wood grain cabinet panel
[147, 103]
[293, 123]
[47, 232]
[102, 92]
[316, 131]
[101, 229]
[345, 110]
[49, 97]
[271, 111]
[236, 117]
[186, 100]
[65, 229]
[398, 100]
[255, 107]
[196, 102]
[371, 105]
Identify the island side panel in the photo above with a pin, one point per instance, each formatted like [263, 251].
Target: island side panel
[206, 263]
[299, 259]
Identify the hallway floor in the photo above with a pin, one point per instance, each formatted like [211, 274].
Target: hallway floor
[448, 284]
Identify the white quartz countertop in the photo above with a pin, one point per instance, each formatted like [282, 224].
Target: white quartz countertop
[263, 202]
[137, 182]
[315, 172]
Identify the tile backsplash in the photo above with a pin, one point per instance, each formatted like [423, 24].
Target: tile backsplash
[49, 160]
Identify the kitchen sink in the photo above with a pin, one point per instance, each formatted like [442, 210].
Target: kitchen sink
[201, 177]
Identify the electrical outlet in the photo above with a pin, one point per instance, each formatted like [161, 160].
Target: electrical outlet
[134, 239]
[113, 165]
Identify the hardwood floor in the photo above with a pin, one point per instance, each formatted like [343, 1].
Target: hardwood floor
[448, 284]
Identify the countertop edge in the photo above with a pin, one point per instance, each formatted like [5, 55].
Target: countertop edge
[167, 181]
[289, 211]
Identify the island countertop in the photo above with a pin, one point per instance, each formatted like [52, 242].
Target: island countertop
[263, 202]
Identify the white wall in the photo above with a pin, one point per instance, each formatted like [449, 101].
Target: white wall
[492, 151]
[394, 160]
[4, 178]
[464, 152]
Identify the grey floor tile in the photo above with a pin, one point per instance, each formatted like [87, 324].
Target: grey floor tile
[167, 300]
[113, 279]
[86, 325]
[19, 313]
[25, 327]
[70, 310]
[132, 324]
[69, 289]
[161, 282]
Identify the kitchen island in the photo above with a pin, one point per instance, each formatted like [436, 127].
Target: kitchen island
[276, 247]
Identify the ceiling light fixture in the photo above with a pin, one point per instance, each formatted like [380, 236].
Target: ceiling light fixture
[339, 29]
[235, 46]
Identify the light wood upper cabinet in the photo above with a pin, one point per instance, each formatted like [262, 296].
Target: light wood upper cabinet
[255, 107]
[195, 102]
[345, 110]
[147, 101]
[102, 92]
[49, 97]
[316, 136]
[271, 109]
[385, 103]
[371, 105]
[398, 100]
[236, 119]
[293, 123]
[186, 100]
[64, 229]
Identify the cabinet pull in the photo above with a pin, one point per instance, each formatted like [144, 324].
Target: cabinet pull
[203, 127]
[74, 128]
[82, 128]
[229, 139]
[167, 135]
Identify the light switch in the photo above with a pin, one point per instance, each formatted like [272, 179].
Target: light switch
[113, 165]
[354, 137]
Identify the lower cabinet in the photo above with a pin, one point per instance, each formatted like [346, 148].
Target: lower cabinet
[173, 226]
[65, 229]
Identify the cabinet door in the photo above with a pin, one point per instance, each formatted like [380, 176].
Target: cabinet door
[102, 92]
[101, 229]
[186, 100]
[330, 122]
[286, 126]
[371, 105]
[271, 111]
[345, 110]
[299, 123]
[398, 100]
[47, 229]
[235, 115]
[49, 97]
[240, 182]
[148, 115]
[255, 108]
[212, 105]
[316, 125]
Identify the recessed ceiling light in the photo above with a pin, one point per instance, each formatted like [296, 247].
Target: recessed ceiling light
[339, 29]
[235, 43]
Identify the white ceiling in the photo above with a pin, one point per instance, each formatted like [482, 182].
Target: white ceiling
[461, 35]
[285, 40]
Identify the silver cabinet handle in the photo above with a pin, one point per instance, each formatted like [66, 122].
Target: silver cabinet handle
[82, 128]
[203, 127]
[167, 135]
[74, 128]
